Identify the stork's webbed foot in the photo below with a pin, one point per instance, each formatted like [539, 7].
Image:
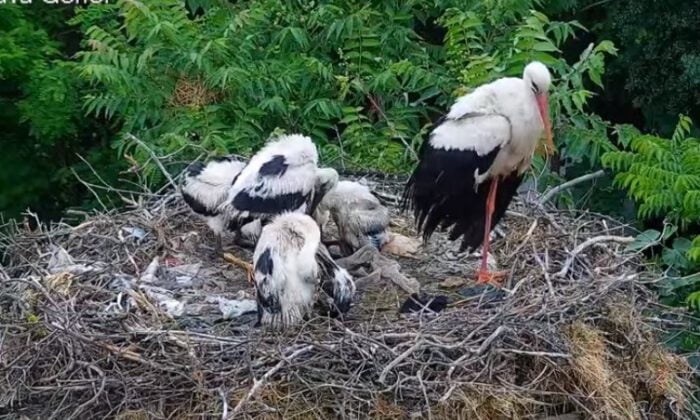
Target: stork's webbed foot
[248, 267]
[494, 278]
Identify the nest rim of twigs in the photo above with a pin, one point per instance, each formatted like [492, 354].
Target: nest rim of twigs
[518, 356]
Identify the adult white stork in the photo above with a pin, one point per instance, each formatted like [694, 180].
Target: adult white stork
[360, 217]
[282, 177]
[288, 260]
[474, 160]
[206, 187]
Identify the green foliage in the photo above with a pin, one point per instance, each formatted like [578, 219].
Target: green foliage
[360, 78]
[658, 67]
[364, 79]
[356, 77]
[22, 43]
[42, 122]
[663, 177]
[26, 56]
[52, 103]
[656, 73]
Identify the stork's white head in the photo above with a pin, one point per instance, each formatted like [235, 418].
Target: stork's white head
[537, 78]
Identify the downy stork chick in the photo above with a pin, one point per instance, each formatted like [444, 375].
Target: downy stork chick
[286, 271]
[206, 187]
[474, 160]
[359, 215]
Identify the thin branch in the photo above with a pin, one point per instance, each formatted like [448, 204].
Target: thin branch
[391, 125]
[399, 359]
[90, 188]
[545, 270]
[590, 242]
[568, 184]
[535, 353]
[489, 340]
[224, 401]
[155, 158]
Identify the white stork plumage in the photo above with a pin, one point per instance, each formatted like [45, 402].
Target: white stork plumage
[288, 261]
[359, 215]
[282, 177]
[206, 187]
[474, 159]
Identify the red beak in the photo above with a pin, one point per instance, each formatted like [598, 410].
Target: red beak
[543, 105]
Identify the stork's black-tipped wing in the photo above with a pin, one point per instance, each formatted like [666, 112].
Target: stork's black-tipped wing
[267, 295]
[336, 282]
[280, 178]
[442, 191]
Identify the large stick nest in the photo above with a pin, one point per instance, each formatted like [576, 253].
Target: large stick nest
[129, 315]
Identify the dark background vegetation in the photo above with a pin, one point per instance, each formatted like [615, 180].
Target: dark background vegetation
[364, 79]
[654, 78]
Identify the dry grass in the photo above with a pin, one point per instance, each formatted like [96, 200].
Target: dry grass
[663, 374]
[473, 404]
[192, 93]
[591, 364]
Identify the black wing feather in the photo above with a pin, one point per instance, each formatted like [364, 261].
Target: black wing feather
[276, 166]
[441, 189]
[269, 205]
[441, 193]
[198, 207]
[267, 298]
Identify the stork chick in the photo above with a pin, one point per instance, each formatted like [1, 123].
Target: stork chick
[359, 215]
[286, 271]
[289, 260]
[474, 160]
[206, 187]
[282, 177]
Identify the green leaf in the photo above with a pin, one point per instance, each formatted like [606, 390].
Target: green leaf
[674, 283]
[676, 257]
[545, 46]
[693, 301]
[644, 240]
[669, 230]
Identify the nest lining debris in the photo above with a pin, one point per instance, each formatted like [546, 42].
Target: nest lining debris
[130, 315]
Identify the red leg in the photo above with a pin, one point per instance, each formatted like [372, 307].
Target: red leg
[484, 275]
